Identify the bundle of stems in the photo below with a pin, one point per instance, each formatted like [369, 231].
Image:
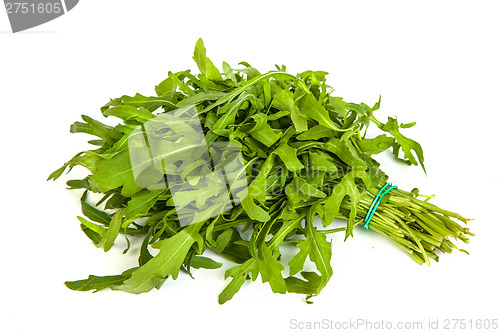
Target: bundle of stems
[419, 227]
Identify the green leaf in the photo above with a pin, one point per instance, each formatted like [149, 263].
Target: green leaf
[317, 132]
[93, 213]
[257, 191]
[235, 251]
[114, 173]
[239, 275]
[96, 283]
[229, 114]
[247, 85]
[285, 230]
[173, 251]
[376, 145]
[345, 150]
[319, 251]
[297, 262]
[270, 270]
[92, 235]
[346, 187]
[289, 156]
[76, 184]
[406, 144]
[408, 125]
[309, 106]
[262, 131]
[253, 211]
[115, 201]
[200, 98]
[205, 65]
[165, 87]
[76, 160]
[198, 262]
[249, 70]
[141, 203]
[116, 148]
[94, 227]
[298, 190]
[228, 72]
[223, 240]
[108, 238]
[150, 103]
[99, 129]
[178, 80]
[127, 111]
[284, 101]
[310, 287]
[321, 161]
[338, 104]
[358, 108]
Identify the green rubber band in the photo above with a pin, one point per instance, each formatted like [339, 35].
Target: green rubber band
[376, 199]
[376, 202]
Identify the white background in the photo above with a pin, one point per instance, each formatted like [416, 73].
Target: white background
[434, 62]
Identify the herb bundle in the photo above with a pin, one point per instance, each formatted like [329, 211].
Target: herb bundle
[305, 156]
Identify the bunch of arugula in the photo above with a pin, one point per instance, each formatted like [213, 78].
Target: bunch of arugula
[305, 157]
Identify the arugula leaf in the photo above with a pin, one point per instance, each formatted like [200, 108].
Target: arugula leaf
[96, 283]
[345, 150]
[262, 131]
[257, 191]
[205, 65]
[284, 101]
[406, 144]
[93, 213]
[376, 145]
[239, 275]
[108, 238]
[204, 262]
[346, 187]
[309, 287]
[141, 203]
[270, 270]
[173, 251]
[310, 107]
[150, 103]
[318, 249]
[298, 190]
[288, 155]
[114, 173]
[126, 112]
[317, 132]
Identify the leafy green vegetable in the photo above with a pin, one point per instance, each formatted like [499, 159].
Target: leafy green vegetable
[303, 159]
[168, 262]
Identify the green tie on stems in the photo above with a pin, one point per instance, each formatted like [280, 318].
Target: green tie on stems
[419, 227]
